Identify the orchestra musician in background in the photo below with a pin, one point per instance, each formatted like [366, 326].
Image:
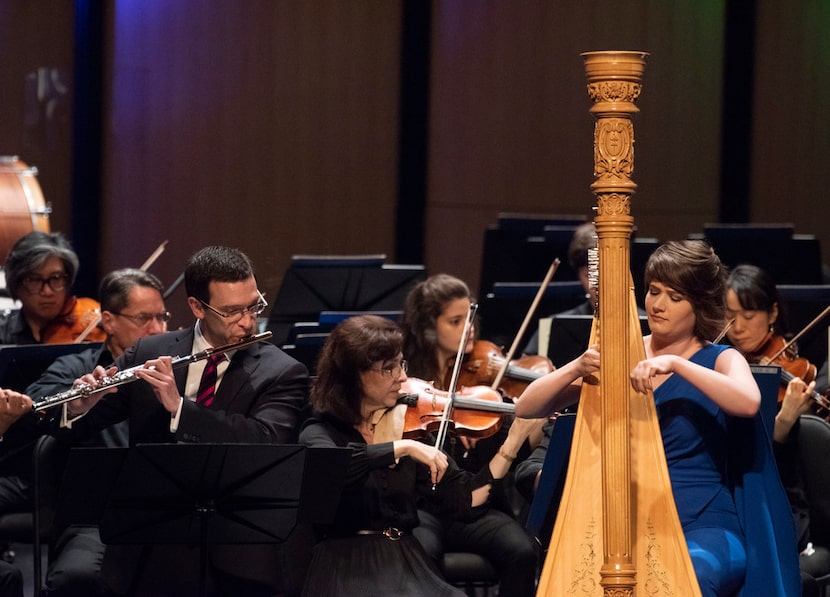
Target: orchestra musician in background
[585, 238]
[40, 270]
[255, 394]
[756, 317]
[708, 409]
[132, 307]
[434, 317]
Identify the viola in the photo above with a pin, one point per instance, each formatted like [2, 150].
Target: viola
[483, 364]
[776, 351]
[77, 314]
[477, 410]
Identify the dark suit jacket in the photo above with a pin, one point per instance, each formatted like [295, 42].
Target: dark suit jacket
[259, 401]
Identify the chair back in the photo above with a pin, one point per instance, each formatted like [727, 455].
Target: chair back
[813, 448]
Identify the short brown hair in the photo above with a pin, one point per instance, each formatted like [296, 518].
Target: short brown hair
[692, 268]
[351, 348]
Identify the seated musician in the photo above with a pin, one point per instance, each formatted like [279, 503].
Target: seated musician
[434, 317]
[13, 405]
[40, 269]
[370, 549]
[757, 328]
[250, 394]
[585, 237]
[132, 307]
[728, 495]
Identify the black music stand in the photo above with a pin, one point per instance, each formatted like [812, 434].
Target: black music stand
[22, 365]
[202, 494]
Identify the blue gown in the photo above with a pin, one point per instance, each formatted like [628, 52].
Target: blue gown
[729, 498]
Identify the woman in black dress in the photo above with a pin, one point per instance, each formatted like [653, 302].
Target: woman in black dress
[369, 548]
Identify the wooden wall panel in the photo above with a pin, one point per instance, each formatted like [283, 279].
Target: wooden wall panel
[510, 129]
[36, 41]
[791, 132]
[271, 126]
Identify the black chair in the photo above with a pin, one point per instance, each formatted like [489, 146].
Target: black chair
[35, 527]
[469, 571]
[813, 448]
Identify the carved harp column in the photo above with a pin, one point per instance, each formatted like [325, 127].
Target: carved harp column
[614, 84]
[617, 533]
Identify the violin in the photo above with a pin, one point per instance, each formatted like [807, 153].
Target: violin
[477, 410]
[776, 351]
[76, 315]
[483, 364]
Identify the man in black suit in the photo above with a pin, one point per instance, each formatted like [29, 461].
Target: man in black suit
[259, 394]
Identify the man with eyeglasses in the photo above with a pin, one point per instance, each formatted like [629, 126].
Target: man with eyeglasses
[40, 270]
[257, 397]
[132, 307]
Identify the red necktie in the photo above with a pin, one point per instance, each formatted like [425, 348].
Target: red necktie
[208, 384]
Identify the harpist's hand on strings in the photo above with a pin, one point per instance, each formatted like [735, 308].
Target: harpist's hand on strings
[588, 362]
[644, 372]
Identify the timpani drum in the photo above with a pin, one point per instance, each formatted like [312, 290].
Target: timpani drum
[22, 207]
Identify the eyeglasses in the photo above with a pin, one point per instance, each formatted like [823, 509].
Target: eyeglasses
[233, 316]
[393, 371]
[35, 284]
[142, 319]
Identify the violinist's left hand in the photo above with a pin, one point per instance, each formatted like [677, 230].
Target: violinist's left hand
[159, 374]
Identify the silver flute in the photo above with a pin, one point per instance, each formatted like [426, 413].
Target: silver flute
[120, 378]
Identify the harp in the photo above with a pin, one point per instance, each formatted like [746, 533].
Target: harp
[617, 532]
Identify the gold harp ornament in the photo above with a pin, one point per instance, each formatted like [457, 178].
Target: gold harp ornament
[617, 532]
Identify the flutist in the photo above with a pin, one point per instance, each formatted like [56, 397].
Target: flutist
[250, 395]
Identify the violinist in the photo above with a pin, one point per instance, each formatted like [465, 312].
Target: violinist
[40, 269]
[369, 549]
[433, 322]
[754, 308]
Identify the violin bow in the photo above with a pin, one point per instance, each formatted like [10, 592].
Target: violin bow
[804, 330]
[539, 294]
[445, 417]
[723, 331]
[144, 267]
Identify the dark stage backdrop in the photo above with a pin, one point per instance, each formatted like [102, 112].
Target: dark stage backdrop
[274, 125]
